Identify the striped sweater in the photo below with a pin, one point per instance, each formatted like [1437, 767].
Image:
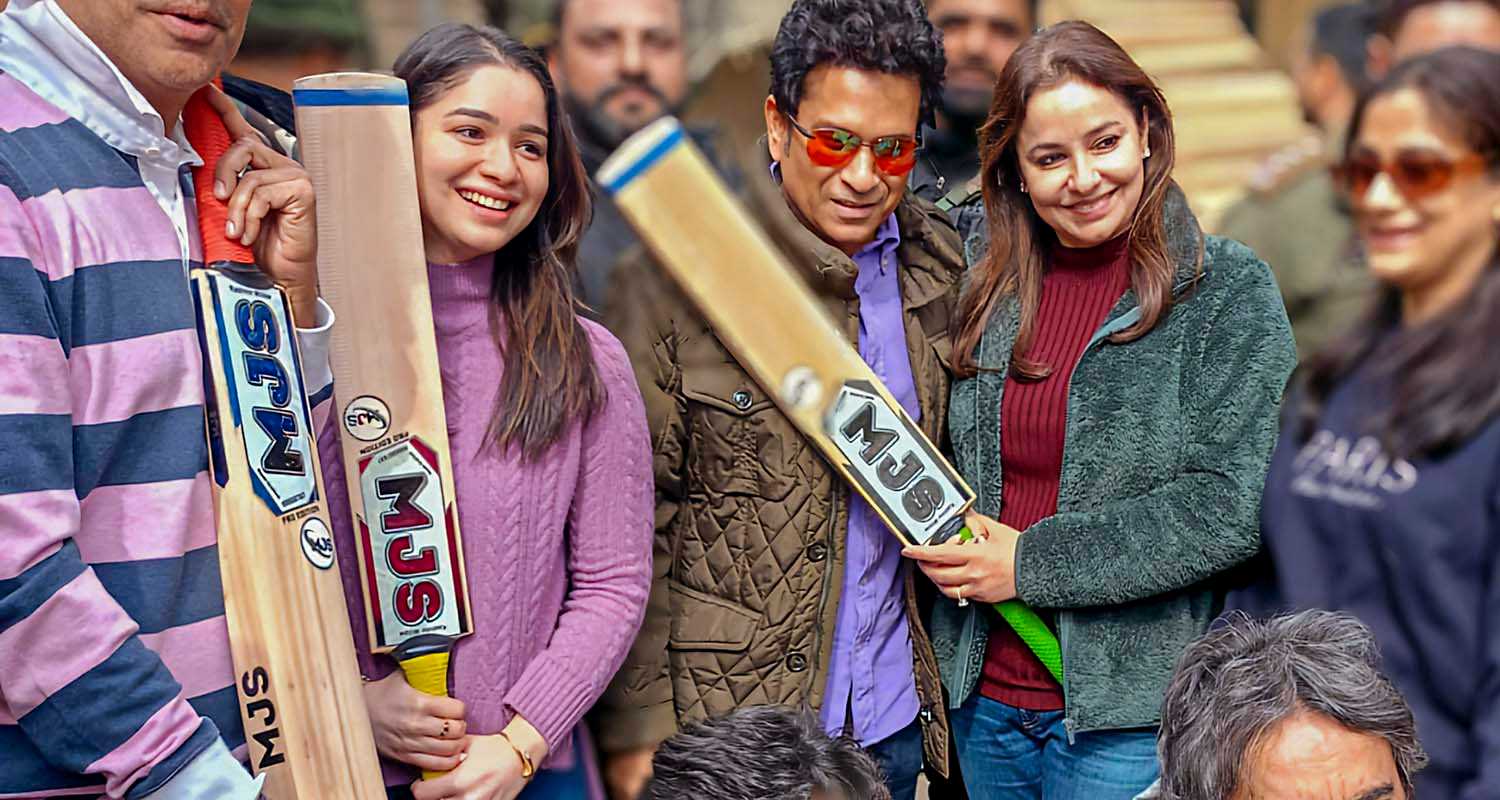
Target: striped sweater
[114, 655]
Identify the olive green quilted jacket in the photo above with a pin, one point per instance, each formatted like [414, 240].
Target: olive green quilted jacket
[750, 519]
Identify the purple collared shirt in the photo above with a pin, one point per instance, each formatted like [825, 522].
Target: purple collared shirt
[870, 674]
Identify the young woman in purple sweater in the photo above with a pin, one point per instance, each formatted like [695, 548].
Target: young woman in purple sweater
[548, 433]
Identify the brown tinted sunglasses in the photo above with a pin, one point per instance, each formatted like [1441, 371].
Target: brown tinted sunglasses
[1416, 175]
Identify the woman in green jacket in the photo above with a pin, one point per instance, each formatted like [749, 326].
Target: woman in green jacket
[1122, 373]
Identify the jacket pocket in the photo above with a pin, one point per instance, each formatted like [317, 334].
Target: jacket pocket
[741, 444]
[701, 621]
[942, 347]
[725, 387]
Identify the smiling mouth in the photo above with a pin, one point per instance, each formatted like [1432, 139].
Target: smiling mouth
[1392, 238]
[486, 201]
[1090, 206]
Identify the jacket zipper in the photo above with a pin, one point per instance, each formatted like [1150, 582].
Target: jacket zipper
[971, 622]
[1064, 618]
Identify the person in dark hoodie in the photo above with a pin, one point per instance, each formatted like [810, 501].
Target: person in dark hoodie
[1383, 498]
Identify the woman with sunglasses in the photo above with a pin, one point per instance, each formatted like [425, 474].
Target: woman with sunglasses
[1116, 405]
[1384, 493]
[551, 460]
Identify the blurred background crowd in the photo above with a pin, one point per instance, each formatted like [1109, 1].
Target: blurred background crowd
[1260, 89]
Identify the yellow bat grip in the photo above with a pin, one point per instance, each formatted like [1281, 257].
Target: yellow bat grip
[428, 674]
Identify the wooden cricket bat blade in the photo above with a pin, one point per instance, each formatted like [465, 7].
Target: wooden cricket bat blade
[355, 131]
[301, 699]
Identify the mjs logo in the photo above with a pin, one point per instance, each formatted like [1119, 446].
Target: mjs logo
[416, 600]
[893, 462]
[410, 548]
[264, 388]
[261, 337]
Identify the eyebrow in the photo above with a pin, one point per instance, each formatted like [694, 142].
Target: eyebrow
[1091, 134]
[1378, 792]
[493, 120]
[616, 30]
[475, 113]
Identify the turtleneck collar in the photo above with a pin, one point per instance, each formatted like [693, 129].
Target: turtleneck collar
[461, 292]
[1088, 258]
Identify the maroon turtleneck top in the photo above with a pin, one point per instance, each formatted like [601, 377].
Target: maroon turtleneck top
[1078, 291]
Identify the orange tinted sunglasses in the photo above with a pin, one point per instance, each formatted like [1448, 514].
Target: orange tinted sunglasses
[1416, 175]
[835, 147]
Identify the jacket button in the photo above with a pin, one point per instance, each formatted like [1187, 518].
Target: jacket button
[817, 552]
[742, 400]
[796, 662]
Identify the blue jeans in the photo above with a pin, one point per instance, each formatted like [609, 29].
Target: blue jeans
[1014, 754]
[900, 758]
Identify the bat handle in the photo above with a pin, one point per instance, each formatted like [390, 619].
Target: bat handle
[1029, 626]
[426, 670]
[206, 132]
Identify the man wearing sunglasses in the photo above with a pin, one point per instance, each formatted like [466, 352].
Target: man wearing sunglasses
[773, 585]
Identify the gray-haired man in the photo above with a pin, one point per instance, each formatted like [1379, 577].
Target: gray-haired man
[1294, 708]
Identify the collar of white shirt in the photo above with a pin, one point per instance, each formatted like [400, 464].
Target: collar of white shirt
[41, 47]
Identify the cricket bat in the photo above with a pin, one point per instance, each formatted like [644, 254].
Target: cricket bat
[740, 282]
[355, 133]
[297, 679]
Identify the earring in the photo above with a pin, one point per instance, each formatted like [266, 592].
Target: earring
[1023, 187]
[1148, 154]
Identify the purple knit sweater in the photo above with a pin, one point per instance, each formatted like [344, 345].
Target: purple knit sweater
[558, 551]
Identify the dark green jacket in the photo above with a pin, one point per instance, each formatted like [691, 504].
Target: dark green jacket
[1167, 445]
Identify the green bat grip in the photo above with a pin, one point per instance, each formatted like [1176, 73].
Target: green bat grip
[1030, 627]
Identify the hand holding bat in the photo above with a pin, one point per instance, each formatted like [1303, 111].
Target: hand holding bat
[982, 569]
[416, 728]
[665, 187]
[271, 208]
[394, 432]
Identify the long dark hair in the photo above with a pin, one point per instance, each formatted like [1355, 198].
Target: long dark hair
[550, 379]
[1445, 381]
[1016, 260]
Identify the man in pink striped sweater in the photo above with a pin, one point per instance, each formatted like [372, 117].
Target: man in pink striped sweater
[115, 676]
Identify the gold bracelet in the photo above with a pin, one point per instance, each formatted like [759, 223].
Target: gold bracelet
[528, 769]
